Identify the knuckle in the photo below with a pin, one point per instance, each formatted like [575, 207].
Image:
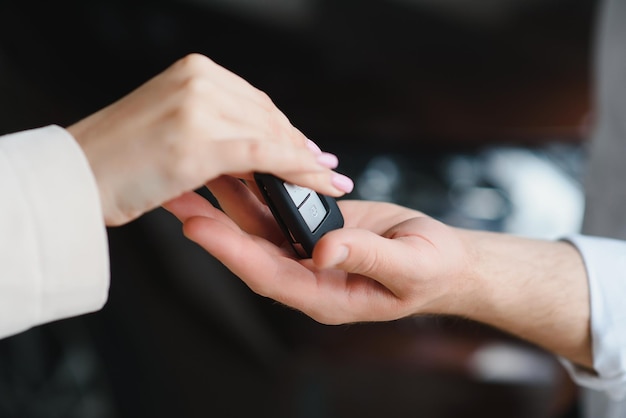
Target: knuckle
[256, 152]
[265, 100]
[194, 63]
[277, 126]
[194, 86]
[199, 94]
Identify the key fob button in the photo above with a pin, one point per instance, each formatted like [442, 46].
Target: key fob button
[313, 211]
[297, 193]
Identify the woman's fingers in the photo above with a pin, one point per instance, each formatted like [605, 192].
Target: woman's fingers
[296, 165]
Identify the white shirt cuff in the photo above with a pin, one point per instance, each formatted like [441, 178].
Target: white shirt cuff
[605, 261]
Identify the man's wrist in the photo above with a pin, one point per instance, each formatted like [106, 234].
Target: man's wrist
[534, 289]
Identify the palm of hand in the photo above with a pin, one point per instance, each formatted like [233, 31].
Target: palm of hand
[398, 256]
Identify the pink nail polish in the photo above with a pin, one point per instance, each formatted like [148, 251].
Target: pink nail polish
[343, 183]
[328, 160]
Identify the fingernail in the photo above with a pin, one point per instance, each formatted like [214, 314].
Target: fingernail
[340, 256]
[343, 183]
[313, 146]
[328, 160]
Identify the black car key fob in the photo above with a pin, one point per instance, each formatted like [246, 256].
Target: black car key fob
[302, 214]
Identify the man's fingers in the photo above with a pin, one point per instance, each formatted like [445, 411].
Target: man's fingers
[191, 204]
[243, 206]
[377, 217]
[264, 267]
[365, 253]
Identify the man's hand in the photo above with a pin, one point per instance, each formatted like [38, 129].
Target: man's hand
[386, 263]
[390, 262]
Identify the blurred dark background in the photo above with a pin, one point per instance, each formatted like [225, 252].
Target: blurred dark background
[473, 112]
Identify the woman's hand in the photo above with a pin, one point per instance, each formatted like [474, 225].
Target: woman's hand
[189, 124]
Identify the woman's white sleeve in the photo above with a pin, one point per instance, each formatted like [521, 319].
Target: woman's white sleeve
[54, 259]
[605, 261]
